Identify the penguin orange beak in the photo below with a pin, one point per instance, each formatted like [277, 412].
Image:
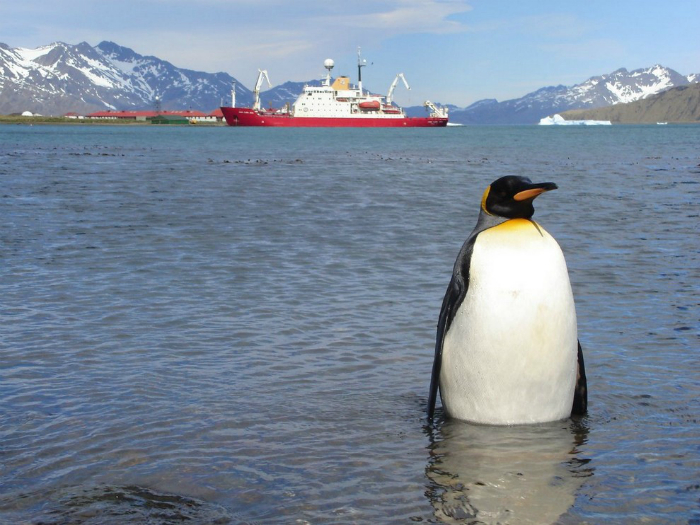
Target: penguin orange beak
[531, 193]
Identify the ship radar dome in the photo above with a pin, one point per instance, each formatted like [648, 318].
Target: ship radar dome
[328, 64]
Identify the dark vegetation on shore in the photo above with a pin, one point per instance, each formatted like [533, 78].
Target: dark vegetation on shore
[680, 105]
[38, 119]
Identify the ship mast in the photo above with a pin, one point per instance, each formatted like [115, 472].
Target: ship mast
[360, 64]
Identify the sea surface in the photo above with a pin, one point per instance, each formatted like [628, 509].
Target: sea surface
[230, 325]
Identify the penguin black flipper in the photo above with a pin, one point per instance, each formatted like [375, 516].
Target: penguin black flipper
[580, 405]
[456, 291]
[451, 299]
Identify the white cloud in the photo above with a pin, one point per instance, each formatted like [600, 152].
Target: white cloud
[407, 16]
[288, 44]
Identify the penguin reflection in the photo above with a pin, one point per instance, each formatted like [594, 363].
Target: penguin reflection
[505, 474]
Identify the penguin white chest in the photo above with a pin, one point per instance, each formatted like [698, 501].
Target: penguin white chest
[510, 354]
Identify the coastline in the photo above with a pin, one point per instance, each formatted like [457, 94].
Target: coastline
[41, 120]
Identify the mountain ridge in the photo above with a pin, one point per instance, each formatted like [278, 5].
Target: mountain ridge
[60, 78]
[620, 86]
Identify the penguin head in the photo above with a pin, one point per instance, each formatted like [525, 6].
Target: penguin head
[512, 197]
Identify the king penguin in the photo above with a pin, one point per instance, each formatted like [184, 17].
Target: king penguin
[507, 349]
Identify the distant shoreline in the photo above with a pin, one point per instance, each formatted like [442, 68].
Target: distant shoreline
[42, 120]
[39, 120]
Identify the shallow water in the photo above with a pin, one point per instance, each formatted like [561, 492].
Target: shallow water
[227, 325]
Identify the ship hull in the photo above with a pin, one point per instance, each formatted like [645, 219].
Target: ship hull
[250, 117]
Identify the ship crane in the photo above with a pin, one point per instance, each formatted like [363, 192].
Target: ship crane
[390, 94]
[436, 111]
[262, 75]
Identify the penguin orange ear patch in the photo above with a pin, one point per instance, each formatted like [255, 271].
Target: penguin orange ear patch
[484, 197]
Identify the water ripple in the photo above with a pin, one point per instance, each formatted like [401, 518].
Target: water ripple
[232, 326]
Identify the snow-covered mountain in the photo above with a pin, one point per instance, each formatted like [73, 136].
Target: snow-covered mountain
[59, 78]
[618, 87]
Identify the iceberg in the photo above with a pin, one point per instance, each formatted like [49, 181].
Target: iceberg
[558, 120]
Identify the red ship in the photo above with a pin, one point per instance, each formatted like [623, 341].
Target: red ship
[336, 104]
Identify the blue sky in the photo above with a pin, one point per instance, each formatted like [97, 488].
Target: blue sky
[456, 51]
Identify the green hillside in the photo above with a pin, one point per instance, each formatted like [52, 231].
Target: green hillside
[677, 105]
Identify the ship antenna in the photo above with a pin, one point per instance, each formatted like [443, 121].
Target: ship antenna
[233, 95]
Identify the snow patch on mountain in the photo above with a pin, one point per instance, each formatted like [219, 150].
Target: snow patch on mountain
[30, 55]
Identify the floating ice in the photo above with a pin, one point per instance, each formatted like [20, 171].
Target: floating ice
[558, 120]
